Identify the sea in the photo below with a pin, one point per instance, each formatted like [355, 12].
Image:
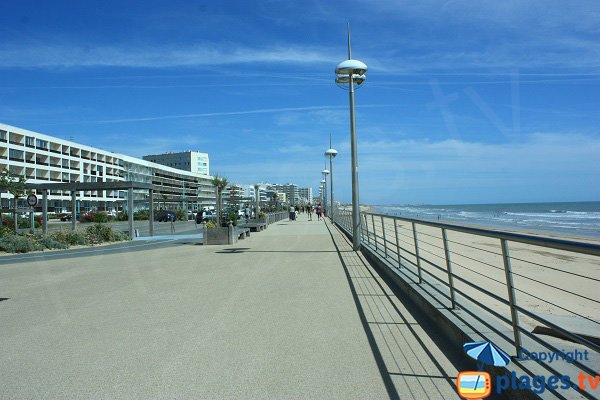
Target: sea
[570, 219]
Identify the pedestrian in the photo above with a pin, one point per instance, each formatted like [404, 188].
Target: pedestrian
[247, 213]
[200, 216]
[318, 212]
[292, 213]
[309, 212]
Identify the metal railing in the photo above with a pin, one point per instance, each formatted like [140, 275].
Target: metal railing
[275, 217]
[481, 272]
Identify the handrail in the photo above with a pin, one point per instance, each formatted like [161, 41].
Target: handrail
[381, 236]
[559, 244]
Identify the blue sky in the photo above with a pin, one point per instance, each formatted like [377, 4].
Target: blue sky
[465, 102]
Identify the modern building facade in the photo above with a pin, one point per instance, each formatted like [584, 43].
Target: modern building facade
[305, 195]
[188, 160]
[41, 158]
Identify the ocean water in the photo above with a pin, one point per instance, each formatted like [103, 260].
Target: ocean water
[573, 218]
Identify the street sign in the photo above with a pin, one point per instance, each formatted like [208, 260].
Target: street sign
[32, 200]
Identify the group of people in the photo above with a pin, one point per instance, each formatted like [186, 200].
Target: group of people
[318, 209]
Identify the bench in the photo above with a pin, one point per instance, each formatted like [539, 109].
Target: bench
[241, 232]
[255, 226]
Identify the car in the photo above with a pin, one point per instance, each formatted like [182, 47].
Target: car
[164, 216]
[66, 217]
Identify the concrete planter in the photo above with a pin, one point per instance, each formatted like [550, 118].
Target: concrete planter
[218, 235]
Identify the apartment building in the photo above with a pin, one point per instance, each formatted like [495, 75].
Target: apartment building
[41, 158]
[188, 160]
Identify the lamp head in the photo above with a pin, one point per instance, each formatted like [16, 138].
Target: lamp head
[353, 67]
[331, 153]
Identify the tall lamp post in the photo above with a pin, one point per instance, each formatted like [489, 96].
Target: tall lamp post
[322, 192]
[331, 153]
[351, 73]
[325, 172]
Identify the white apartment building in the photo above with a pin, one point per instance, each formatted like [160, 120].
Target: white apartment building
[305, 194]
[41, 158]
[188, 160]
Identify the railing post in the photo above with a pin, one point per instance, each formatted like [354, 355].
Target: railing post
[367, 229]
[512, 301]
[397, 243]
[449, 268]
[414, 228]
[374, 231]
[384, 241]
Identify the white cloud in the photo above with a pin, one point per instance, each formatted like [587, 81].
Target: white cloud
[58, 56]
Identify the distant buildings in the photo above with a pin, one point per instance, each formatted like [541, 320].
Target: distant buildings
[192, 161]
[41, 158]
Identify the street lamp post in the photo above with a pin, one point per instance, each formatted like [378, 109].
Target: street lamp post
[350, 73]
[325, 172]
[331, 153]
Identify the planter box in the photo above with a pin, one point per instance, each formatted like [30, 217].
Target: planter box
[218, 235]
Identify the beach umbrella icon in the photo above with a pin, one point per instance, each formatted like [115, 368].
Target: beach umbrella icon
[486, 353]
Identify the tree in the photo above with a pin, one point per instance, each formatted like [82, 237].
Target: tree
[220, 183]
[14, 185]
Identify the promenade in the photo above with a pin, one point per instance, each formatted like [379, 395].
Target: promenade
[288, 313]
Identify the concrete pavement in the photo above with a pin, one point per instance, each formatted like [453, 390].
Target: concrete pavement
[280, 315]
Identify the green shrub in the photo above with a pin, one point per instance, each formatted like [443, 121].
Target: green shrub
[6, 230]
[19, 244]
[141, 215]
[99, 233]
[181, 215]
[227, 216]
[211, 224]
[75, 239]
[101, 217]
[262, 215]
[122, 216]
[51, 243]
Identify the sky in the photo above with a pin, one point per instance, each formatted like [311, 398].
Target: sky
[465, 102]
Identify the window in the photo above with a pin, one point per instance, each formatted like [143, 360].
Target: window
[2, 135]
[29, 141]
[15, 155]
[41, 144]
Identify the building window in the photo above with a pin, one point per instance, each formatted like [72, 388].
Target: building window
[41, 144]
[2, 135]
[29, 141]
[15, 155]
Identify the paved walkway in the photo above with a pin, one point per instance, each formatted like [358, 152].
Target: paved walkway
[280, 315]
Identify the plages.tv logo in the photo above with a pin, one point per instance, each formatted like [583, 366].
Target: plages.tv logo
[473, 384]
[478, 385]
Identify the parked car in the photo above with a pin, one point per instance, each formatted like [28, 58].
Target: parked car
[164, 216]
[66, 217]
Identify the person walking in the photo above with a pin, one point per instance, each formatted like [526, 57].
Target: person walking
[247, 213]
[309, 212]
[318, 212]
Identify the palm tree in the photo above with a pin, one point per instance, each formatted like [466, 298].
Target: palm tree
[220, 183]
